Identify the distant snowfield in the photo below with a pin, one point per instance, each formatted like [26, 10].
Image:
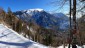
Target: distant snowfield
[11, 39]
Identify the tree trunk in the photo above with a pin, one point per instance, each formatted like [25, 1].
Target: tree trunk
[74, 25]
[70, 24]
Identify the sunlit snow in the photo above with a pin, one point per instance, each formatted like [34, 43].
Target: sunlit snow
[11, 39]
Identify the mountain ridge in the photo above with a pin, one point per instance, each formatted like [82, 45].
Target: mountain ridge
[43, 18]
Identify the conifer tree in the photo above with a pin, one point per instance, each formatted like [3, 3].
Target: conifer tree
[2, 14]
[19, 26]
[9, 16]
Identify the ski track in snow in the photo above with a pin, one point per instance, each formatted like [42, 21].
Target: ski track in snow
[11, 39]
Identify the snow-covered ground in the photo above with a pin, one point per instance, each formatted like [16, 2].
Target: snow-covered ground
[71, 47]
[11, 39]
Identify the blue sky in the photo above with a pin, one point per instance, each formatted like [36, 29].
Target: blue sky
[16, 5]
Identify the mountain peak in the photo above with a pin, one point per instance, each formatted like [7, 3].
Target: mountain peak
[33, 11]
[36, 9]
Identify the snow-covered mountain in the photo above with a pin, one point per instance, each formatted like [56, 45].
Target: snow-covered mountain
[43, 18]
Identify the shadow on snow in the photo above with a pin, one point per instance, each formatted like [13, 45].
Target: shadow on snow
[17, 44]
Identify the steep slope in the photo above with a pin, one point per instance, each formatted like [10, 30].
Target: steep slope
[11, 39]
[44, 19]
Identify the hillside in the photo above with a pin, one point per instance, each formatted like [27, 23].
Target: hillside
[11, 39]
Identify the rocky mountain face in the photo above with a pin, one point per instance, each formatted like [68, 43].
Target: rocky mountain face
[63, 20]
[57, 21]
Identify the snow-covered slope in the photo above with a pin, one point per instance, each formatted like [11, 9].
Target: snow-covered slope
[11, 39]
